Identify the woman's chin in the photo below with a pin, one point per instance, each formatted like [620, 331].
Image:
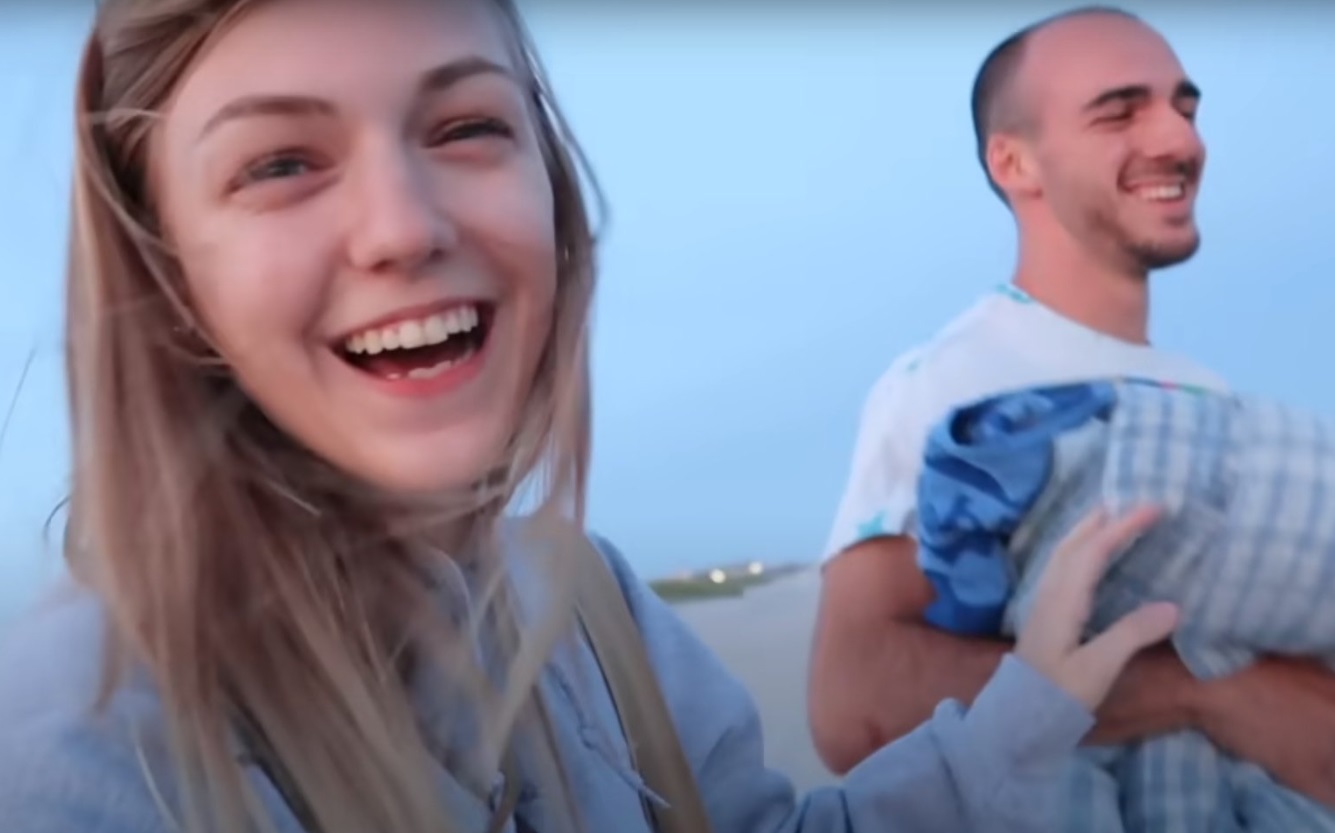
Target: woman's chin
[418, 471]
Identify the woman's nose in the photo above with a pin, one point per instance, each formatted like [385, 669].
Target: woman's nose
[397, 224]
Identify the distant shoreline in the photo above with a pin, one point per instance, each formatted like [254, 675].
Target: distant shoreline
[721, 582]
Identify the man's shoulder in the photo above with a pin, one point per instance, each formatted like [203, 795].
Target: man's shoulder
[959, 356]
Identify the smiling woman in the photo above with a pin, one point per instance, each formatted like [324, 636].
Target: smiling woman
[327, 316]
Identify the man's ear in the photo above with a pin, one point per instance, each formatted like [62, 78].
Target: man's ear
[1011, 164]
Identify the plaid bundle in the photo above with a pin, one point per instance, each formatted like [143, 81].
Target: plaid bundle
[1246, 548]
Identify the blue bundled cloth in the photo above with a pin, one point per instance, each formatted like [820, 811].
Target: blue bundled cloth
[1246, 549]
[984, 467]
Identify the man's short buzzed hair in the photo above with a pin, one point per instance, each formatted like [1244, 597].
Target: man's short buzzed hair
[993, 105]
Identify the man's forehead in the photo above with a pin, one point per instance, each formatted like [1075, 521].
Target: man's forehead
[1081, 57]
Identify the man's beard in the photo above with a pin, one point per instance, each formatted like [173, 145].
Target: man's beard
[1143, 255]
[1149, 255]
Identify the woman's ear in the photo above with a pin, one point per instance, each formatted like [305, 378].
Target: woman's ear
[1011, 164]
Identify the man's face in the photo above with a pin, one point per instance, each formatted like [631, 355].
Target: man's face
[1117, 153]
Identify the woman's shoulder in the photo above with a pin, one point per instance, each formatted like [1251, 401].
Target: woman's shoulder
[66, 761]
[51, 658]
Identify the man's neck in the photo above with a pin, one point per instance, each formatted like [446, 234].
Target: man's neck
[1079, 287]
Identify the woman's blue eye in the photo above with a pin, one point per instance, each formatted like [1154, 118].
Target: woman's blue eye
[277, 168]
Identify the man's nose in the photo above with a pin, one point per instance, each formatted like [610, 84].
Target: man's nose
[397, 222]
[1173, 136]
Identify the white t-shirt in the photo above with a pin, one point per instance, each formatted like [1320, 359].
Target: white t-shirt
[1006, 341]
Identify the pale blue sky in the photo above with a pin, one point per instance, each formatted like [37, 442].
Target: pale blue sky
[794, 201]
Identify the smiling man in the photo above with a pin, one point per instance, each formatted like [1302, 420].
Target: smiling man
[1086, 129]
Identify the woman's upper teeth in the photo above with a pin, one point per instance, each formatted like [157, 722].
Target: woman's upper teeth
[420, 332]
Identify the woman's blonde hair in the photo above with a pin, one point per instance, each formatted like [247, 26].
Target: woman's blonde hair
[242, 571]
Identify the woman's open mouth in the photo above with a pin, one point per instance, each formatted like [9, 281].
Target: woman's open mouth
[424, 347]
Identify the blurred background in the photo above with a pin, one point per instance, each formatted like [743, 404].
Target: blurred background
[794, 200]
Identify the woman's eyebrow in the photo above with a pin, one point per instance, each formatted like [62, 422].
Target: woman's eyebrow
[439, 79]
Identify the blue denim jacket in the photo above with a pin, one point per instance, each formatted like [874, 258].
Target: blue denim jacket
[994, 767]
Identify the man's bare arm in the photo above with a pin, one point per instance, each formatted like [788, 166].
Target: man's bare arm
[878, 669]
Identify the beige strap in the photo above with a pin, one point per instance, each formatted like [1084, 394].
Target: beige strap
[651, 736]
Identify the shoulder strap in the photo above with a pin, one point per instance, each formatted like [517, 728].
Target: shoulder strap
[651, 736]
[655, 749]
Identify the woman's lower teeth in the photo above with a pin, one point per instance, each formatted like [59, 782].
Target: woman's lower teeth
[429, 372]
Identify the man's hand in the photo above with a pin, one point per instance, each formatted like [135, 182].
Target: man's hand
[1280, 715]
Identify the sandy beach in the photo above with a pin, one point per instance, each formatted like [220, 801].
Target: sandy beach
[765, 637]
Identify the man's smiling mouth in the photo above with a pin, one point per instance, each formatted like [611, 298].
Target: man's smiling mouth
[1164, 192]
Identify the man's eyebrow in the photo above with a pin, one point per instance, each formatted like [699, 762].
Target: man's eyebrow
[1187, 89]
[435, 80]
[1127, 94]
[1136, 93]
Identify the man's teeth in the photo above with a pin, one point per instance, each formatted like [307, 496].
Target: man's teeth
[1161, 193]
[405, 335]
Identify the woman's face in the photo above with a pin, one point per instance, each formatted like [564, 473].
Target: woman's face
[365, 222]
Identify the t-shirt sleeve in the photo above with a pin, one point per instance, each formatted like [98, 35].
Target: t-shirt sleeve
[880, 496]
